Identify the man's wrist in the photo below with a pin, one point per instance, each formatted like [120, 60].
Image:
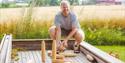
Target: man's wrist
[66, 39]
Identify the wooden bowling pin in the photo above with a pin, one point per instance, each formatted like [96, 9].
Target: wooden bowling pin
[58, 61]
[43, 51]
[53, 51]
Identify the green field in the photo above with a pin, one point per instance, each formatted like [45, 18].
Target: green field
[120, 50]
[103, 25]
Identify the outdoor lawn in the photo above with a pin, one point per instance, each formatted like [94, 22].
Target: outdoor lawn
[120, 50]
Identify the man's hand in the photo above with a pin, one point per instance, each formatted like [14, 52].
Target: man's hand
[65, 43]
[61, 48]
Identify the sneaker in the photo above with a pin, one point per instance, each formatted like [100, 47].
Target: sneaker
[76, 48]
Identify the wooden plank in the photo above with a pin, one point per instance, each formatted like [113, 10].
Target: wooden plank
[5, 52]
[19, 55]
[8, 54]
[36, 56]
[67, 58]
[27, 56]
[23, 57]
[35, 61]
[32, 57]
[83, 58]
[70, 59]
[48, 59]
[36, 44]
[39, 55]
[77, 59]
[98, 54]
[2, 42]
[37, 40]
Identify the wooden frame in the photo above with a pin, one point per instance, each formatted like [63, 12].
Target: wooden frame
[5, 49]
[85, 48]
[99, 55]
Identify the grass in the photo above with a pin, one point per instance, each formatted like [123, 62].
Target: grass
[103, 25]
[103, 32]
[120, 50]
[84, 12]
[32, 23]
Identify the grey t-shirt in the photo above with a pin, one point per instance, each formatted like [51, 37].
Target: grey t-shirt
[66, 22]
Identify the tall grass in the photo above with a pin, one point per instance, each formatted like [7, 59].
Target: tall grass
[98, 31]
[103, 32]
[25, 27]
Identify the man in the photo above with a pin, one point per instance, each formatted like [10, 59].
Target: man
[66, 23]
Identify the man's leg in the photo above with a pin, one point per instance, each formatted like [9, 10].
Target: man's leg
[55, 36]
[52, 32]
[55, 33]
[79, 36]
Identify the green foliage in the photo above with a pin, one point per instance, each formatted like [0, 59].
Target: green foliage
[104, 32]
[105, 37]
[97, 32]
[120, 50]
[5, 5]
[47, 2]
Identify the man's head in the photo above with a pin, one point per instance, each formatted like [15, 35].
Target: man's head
[65, 7]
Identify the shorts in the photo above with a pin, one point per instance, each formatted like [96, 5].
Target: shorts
[65, 32]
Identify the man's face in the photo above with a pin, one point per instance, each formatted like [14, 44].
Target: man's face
[65, 9]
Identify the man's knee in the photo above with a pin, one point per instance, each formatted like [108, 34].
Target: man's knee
[52, 29]
[80, 35]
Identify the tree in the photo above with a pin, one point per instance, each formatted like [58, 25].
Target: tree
[54, 2]
[74, 2]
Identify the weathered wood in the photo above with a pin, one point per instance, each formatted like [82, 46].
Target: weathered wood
[35, 44]
[99, 56]
[2, 42]
[8, 56]
[5, 53]
[34, 56]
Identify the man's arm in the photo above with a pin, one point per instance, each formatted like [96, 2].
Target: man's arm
[73, 31]
[69, 36]
[58, 33]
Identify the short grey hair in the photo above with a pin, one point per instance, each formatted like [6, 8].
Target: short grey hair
[65, 2]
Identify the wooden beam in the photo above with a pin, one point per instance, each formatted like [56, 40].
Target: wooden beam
[5, 53]
[99, 55]
[2, 42]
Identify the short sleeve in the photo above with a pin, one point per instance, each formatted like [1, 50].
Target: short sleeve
[57, 21]
[75, 22]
